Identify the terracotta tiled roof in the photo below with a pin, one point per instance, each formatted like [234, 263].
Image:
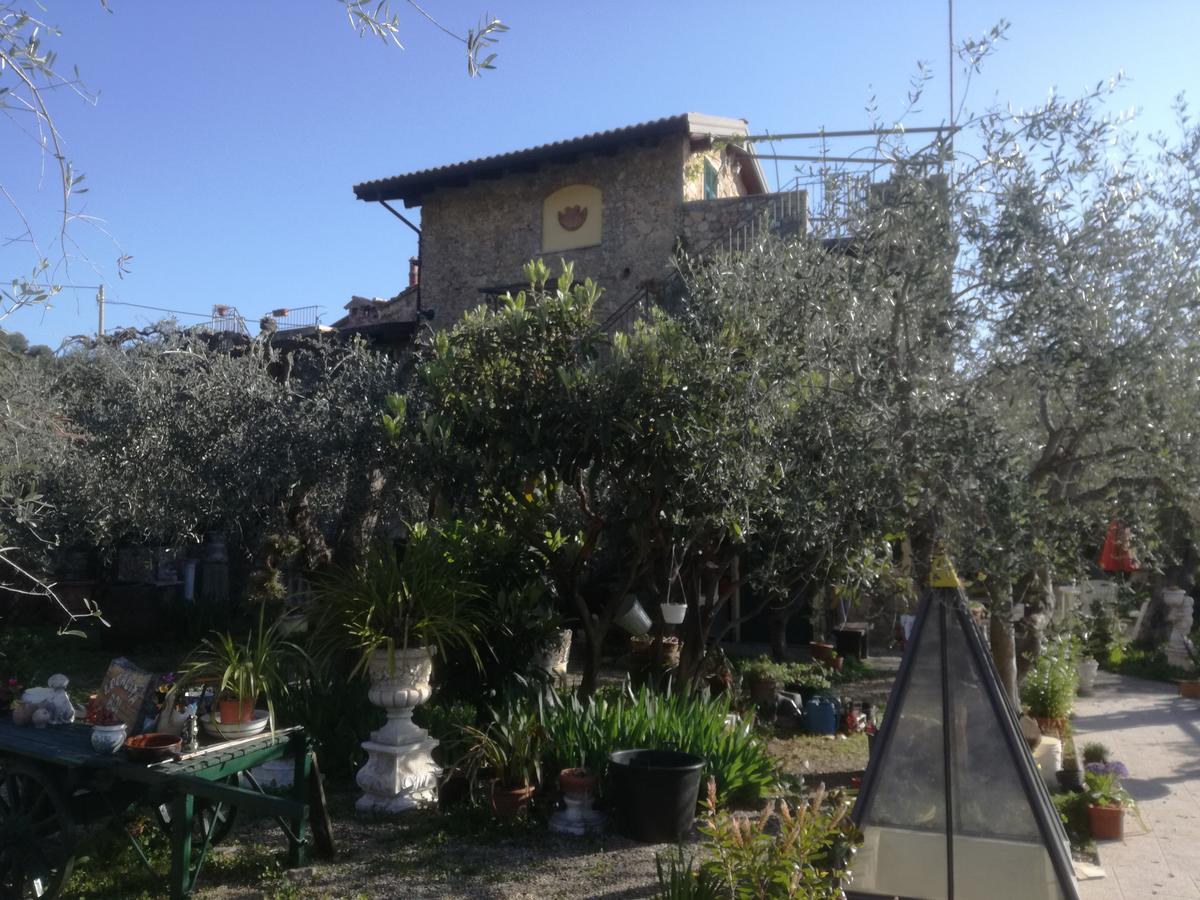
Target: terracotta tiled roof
[411, 186]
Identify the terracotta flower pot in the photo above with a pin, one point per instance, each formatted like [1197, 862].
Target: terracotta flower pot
[1051, 725]
[507, 803]
[236, 712]
[1107, 822]
[576, 782]
[1189, 690]
[820, 652]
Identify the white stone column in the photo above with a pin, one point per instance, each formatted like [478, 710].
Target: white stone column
[400, 773]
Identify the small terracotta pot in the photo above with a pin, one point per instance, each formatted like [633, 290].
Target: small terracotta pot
[820, 652]
[1190, 690]
[236, 712]
[507, 803]
[1107, 822]
[576, 782]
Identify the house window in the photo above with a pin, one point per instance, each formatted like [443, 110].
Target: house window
[711, 180]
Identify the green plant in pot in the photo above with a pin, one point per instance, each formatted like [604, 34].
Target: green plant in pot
[1070, 777]
[394, 611]
[1049, 689]
[764, 677]
[505, 758]
[244, 672]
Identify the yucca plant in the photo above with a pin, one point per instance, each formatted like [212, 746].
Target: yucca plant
[409, 599]
[508, 750]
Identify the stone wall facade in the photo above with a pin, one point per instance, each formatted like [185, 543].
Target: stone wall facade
[480, 235]
[706, 223]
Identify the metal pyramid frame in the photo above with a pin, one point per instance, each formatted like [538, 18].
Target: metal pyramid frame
[901, 859]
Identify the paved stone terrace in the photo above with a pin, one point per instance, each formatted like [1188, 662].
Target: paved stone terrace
[1156, 734]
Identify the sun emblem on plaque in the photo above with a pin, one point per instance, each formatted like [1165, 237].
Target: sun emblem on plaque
[572, 217]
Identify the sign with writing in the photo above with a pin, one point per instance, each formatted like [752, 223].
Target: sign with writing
[127, 692]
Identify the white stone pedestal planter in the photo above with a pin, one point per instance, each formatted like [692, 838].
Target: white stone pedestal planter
[400, 772]
[1179, 614]
[1087, 670]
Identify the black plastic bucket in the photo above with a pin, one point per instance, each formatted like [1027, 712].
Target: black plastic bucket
[654, 793]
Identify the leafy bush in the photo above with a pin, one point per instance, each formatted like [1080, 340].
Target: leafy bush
[1072, 809]
[763, 668]
[1095, 752]
[584, 733]
[1049, 688]
[808, 856]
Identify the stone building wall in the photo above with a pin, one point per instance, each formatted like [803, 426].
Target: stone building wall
[705, 221]
[728, 184]
[481, 234]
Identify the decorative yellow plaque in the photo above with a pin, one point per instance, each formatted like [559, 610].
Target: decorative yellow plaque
[571, 218]
[942, 574]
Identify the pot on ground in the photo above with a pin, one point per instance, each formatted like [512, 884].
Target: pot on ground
[1189, 690]
[1107, 822]
[1051, 725]
[508, 803]
[762, 691]
[820, 651]
[654, 793]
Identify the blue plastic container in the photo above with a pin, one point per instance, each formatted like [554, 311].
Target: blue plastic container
[820, 716]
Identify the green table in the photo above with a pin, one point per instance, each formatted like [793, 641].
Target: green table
[53, 785]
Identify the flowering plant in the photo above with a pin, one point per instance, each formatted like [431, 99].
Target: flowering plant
[1104, 784]
[10, 691]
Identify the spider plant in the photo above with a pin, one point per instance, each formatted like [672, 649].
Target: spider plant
[244, 671]
[414, 598]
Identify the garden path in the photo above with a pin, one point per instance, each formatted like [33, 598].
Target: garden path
[1156, 734]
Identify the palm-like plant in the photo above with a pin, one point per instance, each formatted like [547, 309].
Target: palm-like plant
[508, 750]
[417, 598]
[244, 671]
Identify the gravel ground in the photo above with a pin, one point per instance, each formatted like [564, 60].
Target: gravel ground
[424, 854]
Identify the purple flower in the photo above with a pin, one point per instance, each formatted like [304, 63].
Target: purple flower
[1097, 768]
[1116, 767]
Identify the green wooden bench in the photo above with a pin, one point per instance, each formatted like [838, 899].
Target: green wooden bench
[53, 786]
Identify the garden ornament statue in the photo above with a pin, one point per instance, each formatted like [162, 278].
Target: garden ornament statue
[1179, 616]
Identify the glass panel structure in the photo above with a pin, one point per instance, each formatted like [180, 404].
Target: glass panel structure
[951, 806]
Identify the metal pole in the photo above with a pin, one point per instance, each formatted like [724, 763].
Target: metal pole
[100, 308]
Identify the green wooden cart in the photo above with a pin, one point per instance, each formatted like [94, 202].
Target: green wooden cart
[55, 789]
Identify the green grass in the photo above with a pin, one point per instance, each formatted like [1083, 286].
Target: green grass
[1148, 664]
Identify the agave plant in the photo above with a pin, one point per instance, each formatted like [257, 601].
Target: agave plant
[414, 598]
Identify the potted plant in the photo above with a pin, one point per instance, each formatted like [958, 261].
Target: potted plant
[1107, 800]
[108, 735]
[1070, 778]
[1190, 689]
[806, 679]
[764, 677]
[394, 611]
[820, 651]
[1049, 690]
[244, 672]
[506, 757]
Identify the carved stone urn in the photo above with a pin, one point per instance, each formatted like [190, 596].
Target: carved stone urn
[400, 773]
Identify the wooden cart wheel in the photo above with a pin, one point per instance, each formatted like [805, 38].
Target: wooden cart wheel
[203, 812]
[37, 833]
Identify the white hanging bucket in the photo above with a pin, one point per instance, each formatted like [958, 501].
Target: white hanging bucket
[673, 613]
[634, 619]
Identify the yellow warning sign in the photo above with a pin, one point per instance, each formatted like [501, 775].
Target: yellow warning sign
[942, 574]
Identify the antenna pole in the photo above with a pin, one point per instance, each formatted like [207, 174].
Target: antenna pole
[100, 310]
[950, 63]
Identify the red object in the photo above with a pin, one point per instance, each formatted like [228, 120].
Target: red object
[152, 747]
[576, 782]
[235, 712]
[1117, 555]
[508, 803]
[1108, 822]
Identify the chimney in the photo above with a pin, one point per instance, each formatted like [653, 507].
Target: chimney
[414, 271]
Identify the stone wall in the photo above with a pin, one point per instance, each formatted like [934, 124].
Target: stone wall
[481, 234]
[728, 184]
[707, 221]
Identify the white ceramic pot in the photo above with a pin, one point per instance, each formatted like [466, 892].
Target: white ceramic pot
[673, 613]
[1087, 670]
[400, 772]
[108, 738]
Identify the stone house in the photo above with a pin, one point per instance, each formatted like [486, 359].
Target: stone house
[616, 203]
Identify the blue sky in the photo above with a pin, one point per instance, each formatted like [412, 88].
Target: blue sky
[226, 138]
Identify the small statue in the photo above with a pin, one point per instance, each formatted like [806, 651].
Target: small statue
[62, 710]
[190, 732]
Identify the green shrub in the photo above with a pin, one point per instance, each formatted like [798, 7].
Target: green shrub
[1072, 809]
[763, 668]
[807, 856]
[1095, 752]
[1049, 688]
[584, 733]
